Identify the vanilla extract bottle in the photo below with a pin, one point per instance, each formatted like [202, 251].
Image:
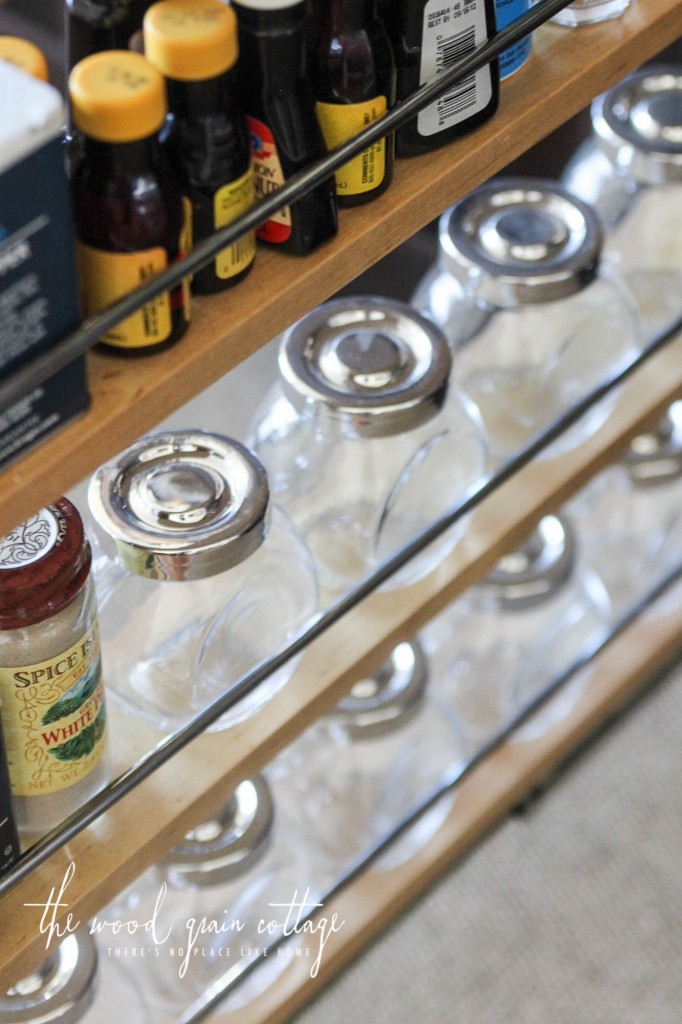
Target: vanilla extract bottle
[354, 81]
[278, 101]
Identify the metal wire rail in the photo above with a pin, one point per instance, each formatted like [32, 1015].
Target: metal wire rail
[24, 379]
[170, 745]
[222, 987]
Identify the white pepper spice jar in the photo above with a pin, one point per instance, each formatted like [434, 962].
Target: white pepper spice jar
[51, 688]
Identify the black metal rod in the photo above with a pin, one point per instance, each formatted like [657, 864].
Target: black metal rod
[91, 330]
[93, 808]
[219, 989]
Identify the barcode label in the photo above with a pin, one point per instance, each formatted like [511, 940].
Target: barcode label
[463, 96]
[450, 32]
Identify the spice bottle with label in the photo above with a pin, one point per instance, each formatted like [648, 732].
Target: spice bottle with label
[354, 82]
[276, 94]
[428, 37]
[53, 709]
[193, 43]
[128, 209]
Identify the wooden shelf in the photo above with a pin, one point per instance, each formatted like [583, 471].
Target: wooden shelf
[142, 826]
[129, 397]
[491, 791]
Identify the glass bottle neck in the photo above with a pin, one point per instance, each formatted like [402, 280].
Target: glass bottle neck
[129, 157]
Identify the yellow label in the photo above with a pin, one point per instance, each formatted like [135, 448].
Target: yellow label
[230, 202]
[340, 122]
[53, 718]
[107, 276]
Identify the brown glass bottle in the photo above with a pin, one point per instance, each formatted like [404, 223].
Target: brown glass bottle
[354, 81]
[428, 37]
[276, 95]
[193, 43]
[128, 208]
[91, 26]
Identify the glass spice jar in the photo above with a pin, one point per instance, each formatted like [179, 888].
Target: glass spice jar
[75, 984]
[630, 170]
[53, 707]
[204, 580]
[365, 440]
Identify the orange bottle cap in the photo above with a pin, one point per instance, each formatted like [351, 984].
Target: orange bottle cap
[191, 40]
[24, 55]
[117, 96]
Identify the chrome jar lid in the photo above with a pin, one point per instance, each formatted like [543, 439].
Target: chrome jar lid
[182, 505]
[60, 990]
[521, 240]
[537, 569]
[655, 457]
[639, 124]
[226, 845]
[384, 702]
[374, 362]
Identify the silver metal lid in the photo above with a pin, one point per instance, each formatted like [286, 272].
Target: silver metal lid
[226, 845]
[373, 362]
[521, 240]
[639, 124]
[60, 991]
[537, 569]
[655, 457]
[182, 505]
[384, 702]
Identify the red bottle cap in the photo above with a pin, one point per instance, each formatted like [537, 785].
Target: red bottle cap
[44, 563]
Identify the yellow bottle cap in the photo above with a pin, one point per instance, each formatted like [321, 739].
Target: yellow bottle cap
[191, 40]
[24, 55]
[117, 96]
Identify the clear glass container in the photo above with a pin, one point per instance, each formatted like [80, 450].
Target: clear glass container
[534, 319]
[365, 440]
[629, 516]
[76, 984]
[207, 578]
[589, 12]
[213, 900]
[630, 170]
[498, 646]
[357, 772]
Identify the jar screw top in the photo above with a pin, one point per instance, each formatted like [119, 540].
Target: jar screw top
[537, 568]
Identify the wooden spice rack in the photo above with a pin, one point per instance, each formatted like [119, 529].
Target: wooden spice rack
[566, 70]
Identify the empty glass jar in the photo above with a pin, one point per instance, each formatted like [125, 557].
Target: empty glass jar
[355, 774]
[629, 516]
[498, 646]
[589, 12]
[212, 900]
[207, 580]
[365, 440]
[551, 322]
[631, 171]
[75, 984]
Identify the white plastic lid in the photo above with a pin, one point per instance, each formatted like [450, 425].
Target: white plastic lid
[33, 113]
[267, 5]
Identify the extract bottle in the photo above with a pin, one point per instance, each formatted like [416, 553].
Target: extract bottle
[354, 81]
[128, 213]
[194, 44]
[286, 137]
[95, 25]
[53, 706]
[428, 37]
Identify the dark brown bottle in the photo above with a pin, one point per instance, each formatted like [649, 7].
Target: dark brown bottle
[95, 25]
[276, 95]
[354, 81]
[128, 209]
[428, 37]
[193, 43]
